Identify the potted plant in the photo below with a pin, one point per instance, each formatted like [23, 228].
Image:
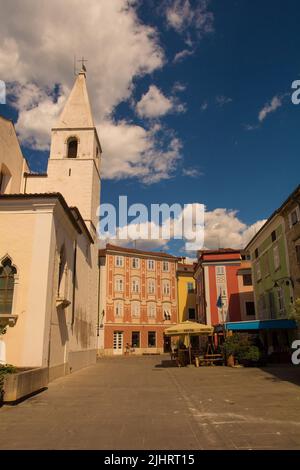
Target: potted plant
[229, 350]
[4, 368]
[250, 357]
[234, 347]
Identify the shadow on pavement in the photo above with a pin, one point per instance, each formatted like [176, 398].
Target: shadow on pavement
[283, 373]
[166, 363]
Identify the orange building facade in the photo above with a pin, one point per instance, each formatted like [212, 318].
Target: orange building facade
[139, 300]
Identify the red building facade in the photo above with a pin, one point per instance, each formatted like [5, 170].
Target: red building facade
[224, 287]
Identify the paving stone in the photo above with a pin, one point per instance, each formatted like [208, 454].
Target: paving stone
[135, 403]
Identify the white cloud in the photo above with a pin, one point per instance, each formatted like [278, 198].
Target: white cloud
[155, 104]
[189, 260]
[129, 151]
[224, 229]
[250, 127]
[204, 106]
[275, 103]
[137, 235]
[271, 107]
[38, 110]
[42, 50]
[178, 87]
[133, 151]
[38, 58]
[180, 56]
[181, 16]
[221, 100]
[191, 172]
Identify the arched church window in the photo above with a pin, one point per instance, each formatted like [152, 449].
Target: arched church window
[72, 147]
[7, 285]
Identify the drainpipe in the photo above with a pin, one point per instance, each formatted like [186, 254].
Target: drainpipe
[98, 317]
[74, 282]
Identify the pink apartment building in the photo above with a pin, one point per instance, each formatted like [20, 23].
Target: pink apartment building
[138, 299]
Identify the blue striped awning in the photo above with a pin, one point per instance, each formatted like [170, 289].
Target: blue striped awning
[261, 325]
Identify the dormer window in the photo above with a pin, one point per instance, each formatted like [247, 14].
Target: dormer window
[72, 147]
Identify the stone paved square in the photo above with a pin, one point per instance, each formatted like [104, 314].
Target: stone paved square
[144, 403]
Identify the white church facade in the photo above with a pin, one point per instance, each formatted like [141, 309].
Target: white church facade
[49, 274]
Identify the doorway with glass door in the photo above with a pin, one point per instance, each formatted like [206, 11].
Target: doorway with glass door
[118, 342]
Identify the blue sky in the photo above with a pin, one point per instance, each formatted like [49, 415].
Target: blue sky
[242, 57]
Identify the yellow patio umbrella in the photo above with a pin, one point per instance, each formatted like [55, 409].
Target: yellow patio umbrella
[189, 328]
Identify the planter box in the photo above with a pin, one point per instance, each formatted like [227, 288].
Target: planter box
[25, 383]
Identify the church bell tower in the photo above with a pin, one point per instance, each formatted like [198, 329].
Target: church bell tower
[74, 162]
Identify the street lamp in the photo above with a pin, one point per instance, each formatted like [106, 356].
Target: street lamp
[100, 322]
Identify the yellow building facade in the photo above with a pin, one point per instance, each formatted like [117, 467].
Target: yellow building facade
[186, 289]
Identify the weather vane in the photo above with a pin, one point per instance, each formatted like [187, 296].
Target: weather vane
[83, 67]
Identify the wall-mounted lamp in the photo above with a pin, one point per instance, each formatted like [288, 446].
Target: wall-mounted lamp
[102, 317]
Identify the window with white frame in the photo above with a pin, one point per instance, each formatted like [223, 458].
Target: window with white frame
[151, 265]
[135, 310]
[135, 286]
[166, 288]
[135, 263]
[165, 266]
[276, 257]
[220, 270]
[151, 286]
[119, 261]
[119, 284]
[118, 309]
[167, 312]
[151, 310]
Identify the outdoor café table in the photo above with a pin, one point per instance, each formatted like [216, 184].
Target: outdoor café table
[212, 358]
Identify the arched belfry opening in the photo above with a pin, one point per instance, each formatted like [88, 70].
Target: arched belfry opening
[72, 147]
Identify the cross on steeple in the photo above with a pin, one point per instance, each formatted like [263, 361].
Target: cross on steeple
[83, 60]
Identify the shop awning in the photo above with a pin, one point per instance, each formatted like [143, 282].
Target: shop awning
[261, 325]
[188, 328]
